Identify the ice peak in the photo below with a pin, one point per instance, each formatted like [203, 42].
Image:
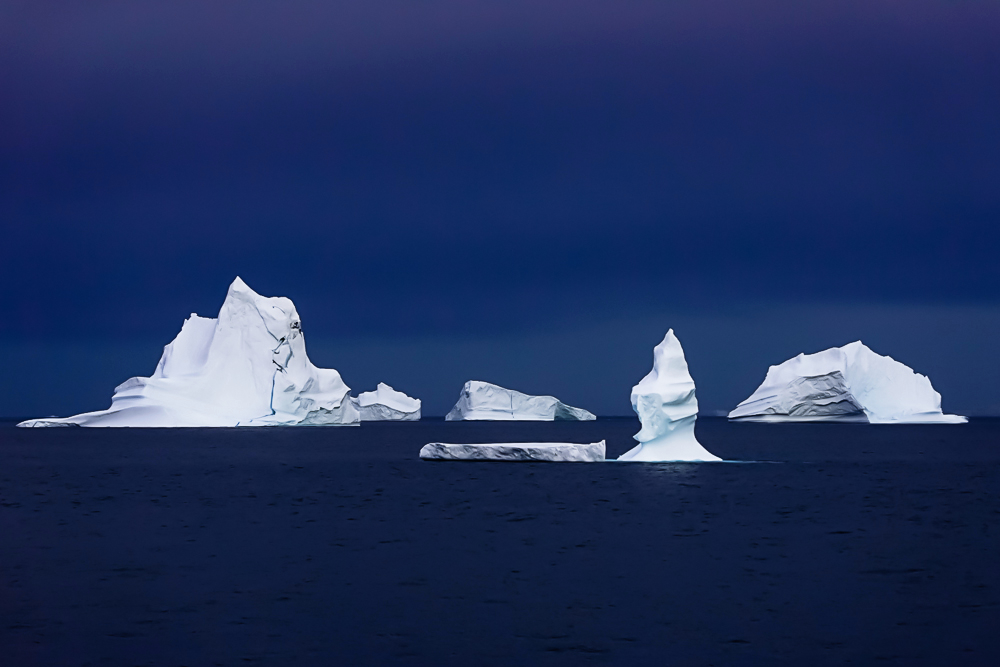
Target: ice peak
[239, 286]
[670, 376]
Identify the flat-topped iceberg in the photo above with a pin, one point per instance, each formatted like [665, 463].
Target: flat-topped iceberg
[849, 383]
[667, 409]
[485, 401]
[248, 367]
[386, 404]
[515, 451]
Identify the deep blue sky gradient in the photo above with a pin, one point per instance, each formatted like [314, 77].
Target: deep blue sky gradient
[522, 192]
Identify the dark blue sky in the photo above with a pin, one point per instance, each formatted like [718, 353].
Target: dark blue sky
[523, 192]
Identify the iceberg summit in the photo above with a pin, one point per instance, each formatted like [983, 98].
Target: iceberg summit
[248, 367]
[386, 404]
[667, 409]
[485, 401]
[845, 384]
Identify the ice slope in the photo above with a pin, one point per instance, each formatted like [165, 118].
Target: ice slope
[485, 401]
[667, 409]
[515, 451]
[387, 404]
[849, 383]
[248, 367]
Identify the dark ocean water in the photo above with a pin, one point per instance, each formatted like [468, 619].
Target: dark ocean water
[338, 546]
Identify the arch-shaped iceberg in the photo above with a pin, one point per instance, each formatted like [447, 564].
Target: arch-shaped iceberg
[848, 384]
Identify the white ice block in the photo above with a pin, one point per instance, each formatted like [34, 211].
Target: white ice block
[248, 367]
[515, 451]
[844, 384]
[667, 409]
[387, 404]
[486, 401]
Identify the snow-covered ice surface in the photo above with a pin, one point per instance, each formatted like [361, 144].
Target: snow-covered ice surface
[515, 451]
[667, 408]
[387, 404]
[482, 400]
[849, 383]
[248, 367]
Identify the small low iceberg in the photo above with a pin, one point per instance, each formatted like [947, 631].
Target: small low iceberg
[248, 367]
[485, 401]
[515, 451]
[844, 384]
[667, 408]
[386, 404]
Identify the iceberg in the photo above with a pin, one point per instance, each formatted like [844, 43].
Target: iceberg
[515, 451]
[485, 401]
[667, 409]
[386, 404]
[844, 384]
[247, 367]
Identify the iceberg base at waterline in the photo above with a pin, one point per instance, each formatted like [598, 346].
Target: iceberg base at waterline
[679, 446]
[516, 451]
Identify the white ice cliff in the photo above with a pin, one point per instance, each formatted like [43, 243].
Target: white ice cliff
[515, 451]
[849, 383]
[667, 409]
[482, 400]
[387, 404]
[248, 367]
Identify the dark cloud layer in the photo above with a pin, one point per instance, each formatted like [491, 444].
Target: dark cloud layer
[456, 169]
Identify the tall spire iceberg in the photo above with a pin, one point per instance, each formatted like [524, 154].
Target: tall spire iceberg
[667, 409]
[248, 367]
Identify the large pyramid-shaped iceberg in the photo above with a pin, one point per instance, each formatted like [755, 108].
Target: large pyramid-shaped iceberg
[849, 383]
[482, 400]
[667, 409]
[248, 367]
